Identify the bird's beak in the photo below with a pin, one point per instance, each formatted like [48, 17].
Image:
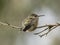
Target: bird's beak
[41, 15]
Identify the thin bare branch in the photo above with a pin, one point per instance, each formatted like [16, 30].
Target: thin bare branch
[48, 25]
[48, 31]
[40, 32]
[7, 24]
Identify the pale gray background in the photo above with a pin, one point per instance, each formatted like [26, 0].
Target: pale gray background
[14, 11]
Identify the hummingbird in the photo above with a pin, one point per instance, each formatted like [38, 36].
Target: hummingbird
[30, 23]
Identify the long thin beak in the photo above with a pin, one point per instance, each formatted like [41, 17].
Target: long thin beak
[41, 15]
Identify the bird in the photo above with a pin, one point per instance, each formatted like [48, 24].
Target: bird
[30, 23]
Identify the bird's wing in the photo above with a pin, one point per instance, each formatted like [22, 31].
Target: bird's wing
[27, 27]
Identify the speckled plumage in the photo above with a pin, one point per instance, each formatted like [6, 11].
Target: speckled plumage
[30, 23]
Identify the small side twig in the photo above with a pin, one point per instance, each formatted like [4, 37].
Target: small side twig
[48, 31]
[40, 32]
[49, 27]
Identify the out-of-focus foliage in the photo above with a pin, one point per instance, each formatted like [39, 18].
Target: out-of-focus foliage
[3, 3]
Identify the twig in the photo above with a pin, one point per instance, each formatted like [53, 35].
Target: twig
[7, 24]
[40, 32]
[49, 27]
[47, 32]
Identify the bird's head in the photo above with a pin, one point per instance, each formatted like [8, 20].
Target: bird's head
[35, 15]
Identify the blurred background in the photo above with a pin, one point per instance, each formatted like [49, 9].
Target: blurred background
[15, 11]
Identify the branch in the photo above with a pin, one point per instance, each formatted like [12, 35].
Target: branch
[49, 27]
[7, 24]
[40, 32]
[47, 32]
